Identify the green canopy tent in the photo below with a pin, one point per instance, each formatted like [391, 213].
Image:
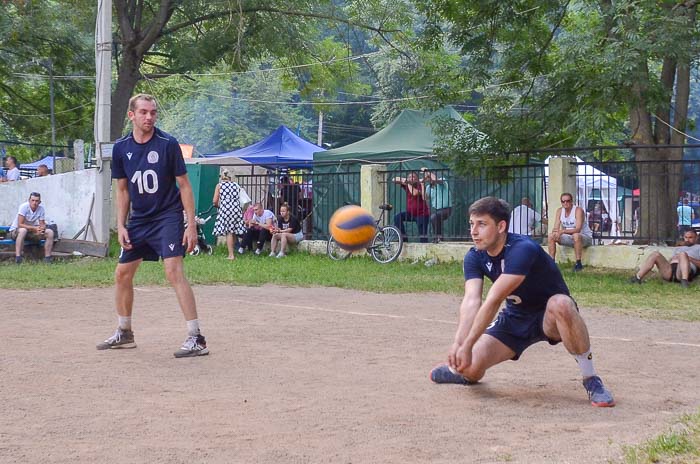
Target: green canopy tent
[405, 144]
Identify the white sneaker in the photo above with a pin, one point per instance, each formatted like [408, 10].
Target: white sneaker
[241, 251]
[281, 255]
[258, 251]
[272, 253]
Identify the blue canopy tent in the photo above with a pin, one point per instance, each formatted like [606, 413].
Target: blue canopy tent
[47, 160]
[282, 149]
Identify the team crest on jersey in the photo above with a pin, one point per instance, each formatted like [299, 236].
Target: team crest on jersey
[152, 157]
[489, 265]
[129, 155]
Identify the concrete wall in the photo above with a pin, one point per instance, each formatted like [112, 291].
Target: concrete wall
[66, 198]
[623, 257]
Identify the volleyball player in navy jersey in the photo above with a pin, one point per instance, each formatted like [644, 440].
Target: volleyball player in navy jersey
[538, 305]
[147, 163]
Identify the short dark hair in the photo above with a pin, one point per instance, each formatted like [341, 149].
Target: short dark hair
[498, 209]
[35, 194]
[14, 160]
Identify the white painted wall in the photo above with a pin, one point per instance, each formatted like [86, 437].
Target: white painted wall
[66, 197]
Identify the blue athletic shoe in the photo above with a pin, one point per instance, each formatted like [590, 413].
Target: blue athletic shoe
[443, 374]
[597, 393]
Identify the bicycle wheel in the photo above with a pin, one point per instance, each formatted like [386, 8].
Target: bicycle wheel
[387, 245]
[334, 251]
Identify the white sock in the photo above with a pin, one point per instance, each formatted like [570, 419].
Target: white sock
[125, 322]
[193, 327]
[585, 363]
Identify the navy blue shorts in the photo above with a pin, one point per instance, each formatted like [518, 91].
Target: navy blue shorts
[157, 239]
[518, 330]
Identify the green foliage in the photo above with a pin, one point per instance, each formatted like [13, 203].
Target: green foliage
[39, 38]
[553, 73]
[226, 110]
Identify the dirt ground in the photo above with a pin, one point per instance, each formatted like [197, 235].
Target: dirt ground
[318, 375]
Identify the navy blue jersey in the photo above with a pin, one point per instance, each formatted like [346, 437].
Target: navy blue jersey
[520, 256]
[150, 169]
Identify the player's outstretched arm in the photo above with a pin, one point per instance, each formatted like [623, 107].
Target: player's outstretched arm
[473, 289]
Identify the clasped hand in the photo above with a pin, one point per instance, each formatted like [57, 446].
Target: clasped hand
[460, 357]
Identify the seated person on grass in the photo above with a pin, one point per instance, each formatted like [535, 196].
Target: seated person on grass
[288, 232]
[260, 229]
[30, 224]
[682, 266]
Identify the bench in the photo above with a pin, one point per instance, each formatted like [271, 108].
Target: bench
[7, 241]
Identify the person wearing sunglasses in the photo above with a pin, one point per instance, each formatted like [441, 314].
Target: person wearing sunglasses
[570, 229]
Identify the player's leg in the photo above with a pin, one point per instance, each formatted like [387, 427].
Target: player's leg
[123, 337]
[487, 352]
[562, 322]
[195, 344]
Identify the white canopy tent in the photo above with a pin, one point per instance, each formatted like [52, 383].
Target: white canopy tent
[594, 184]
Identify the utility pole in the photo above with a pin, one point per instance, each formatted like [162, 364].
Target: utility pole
[53, 116]
[319, 139]
[103, 104]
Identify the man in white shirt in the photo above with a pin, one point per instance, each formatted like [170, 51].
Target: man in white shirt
[523, 218]
[30, 223]
[12, 171]
[260, 228]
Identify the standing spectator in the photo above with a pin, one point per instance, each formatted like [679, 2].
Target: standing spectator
[152, 182]
[523, 218]
[437, 192]
[290, 194]
[30, 223]
[570, 229]
[260, 228]
[417, 210]
[287, 232]
[685, 217]
[42, 170]
[228, 197]
[11, 170]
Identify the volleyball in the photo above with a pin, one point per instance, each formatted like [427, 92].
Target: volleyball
[352, 227]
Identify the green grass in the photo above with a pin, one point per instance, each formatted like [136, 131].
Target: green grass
[597, 288]
[593, 288]
[681, 445]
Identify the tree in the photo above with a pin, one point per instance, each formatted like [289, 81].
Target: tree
[574, 73]
[171, 36]
[37, 41]
[215, 114]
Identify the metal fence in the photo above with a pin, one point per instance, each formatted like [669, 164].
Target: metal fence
[442, 213]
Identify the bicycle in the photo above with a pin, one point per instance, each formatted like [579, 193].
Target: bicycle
[386, 245]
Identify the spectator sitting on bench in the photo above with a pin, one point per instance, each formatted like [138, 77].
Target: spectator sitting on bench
[42, 171]
[260, 229]
[30, 224]
[287, 233]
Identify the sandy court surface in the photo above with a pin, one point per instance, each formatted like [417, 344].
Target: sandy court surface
[318, 375]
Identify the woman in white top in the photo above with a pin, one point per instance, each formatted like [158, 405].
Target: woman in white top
[570, 229]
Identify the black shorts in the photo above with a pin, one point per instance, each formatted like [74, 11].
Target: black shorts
[519, 329]
[153, 240]
[674, 268]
